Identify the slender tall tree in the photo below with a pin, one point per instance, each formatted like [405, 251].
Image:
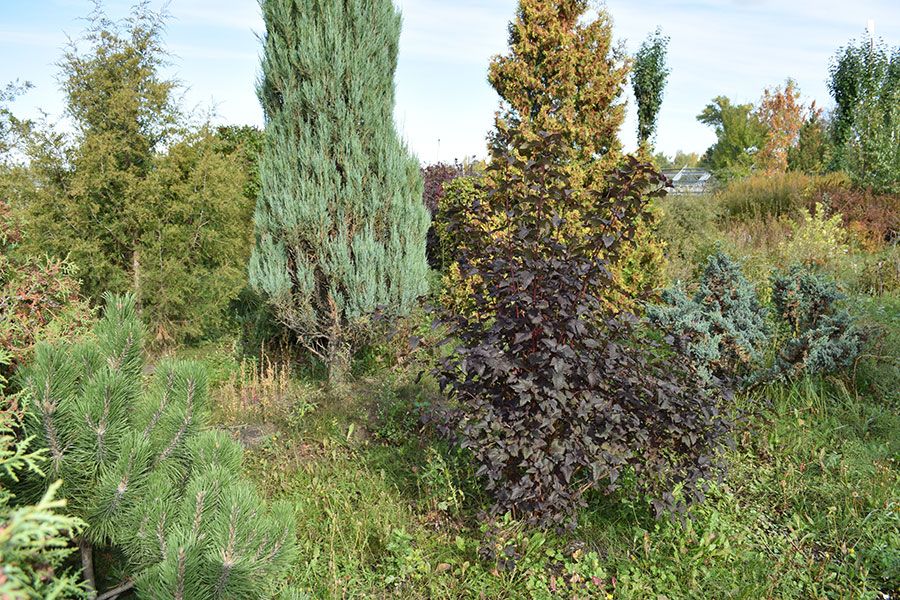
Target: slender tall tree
[340, 224]
[865, 85]
[648, 80]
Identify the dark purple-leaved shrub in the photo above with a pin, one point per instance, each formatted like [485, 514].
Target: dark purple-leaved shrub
[551, 393]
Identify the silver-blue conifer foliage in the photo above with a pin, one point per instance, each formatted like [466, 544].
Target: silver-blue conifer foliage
[340, 223]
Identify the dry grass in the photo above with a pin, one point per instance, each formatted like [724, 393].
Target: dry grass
[261, 391]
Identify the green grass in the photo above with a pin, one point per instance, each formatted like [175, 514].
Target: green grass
[810, 506]
[809, 509]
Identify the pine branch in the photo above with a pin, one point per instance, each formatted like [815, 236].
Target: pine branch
[47, 409]
[188, 419]
[113, 593]
[228, 559]
[163, 404]
[179, 585]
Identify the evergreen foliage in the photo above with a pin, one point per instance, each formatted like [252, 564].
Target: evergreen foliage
[194, 260]
[813, 151]
[648, 80]
[122, 112]
[11, 128]
[340, 225]
[822, 336]
[35, 539]
[563, 75]
[138, 468]
[723, 323]
[551, 395]
[726, 331]
[134, 197]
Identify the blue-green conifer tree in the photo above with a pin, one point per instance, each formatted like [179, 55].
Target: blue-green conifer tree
[340, 224]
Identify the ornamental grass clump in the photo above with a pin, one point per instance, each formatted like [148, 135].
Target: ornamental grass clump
[552, 394]
[138, 468]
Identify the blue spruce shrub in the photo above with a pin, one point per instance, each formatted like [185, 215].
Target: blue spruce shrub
[723, 323]
[823, 337]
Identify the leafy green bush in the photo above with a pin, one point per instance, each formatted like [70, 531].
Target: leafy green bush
[816, 240]
[39, 297]
[460, 205]
[822, 337]
[724, 323]
[34, 539]
[457, 203]
[551, 395]
[139, 470]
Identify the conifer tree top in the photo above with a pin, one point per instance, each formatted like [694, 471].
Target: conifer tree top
[563, 74]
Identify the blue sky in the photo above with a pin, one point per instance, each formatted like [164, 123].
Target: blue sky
[729, 47]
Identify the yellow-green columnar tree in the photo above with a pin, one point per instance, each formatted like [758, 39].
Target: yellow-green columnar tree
[340, 224]
[564, 76]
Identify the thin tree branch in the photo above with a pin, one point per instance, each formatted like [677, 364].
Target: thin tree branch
[113, 593]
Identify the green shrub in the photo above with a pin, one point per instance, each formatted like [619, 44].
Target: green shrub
[35, 540]
[460, 198]
[822, 337]
[139, 470]
[41, 297]
[724, 323]
[459, 206]
[816, 240]
[640, 270]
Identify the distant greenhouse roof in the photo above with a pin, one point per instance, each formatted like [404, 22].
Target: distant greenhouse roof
[690, 180]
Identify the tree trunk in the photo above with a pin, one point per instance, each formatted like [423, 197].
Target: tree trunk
[87, 566]
[136, 275]
[338, 360]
